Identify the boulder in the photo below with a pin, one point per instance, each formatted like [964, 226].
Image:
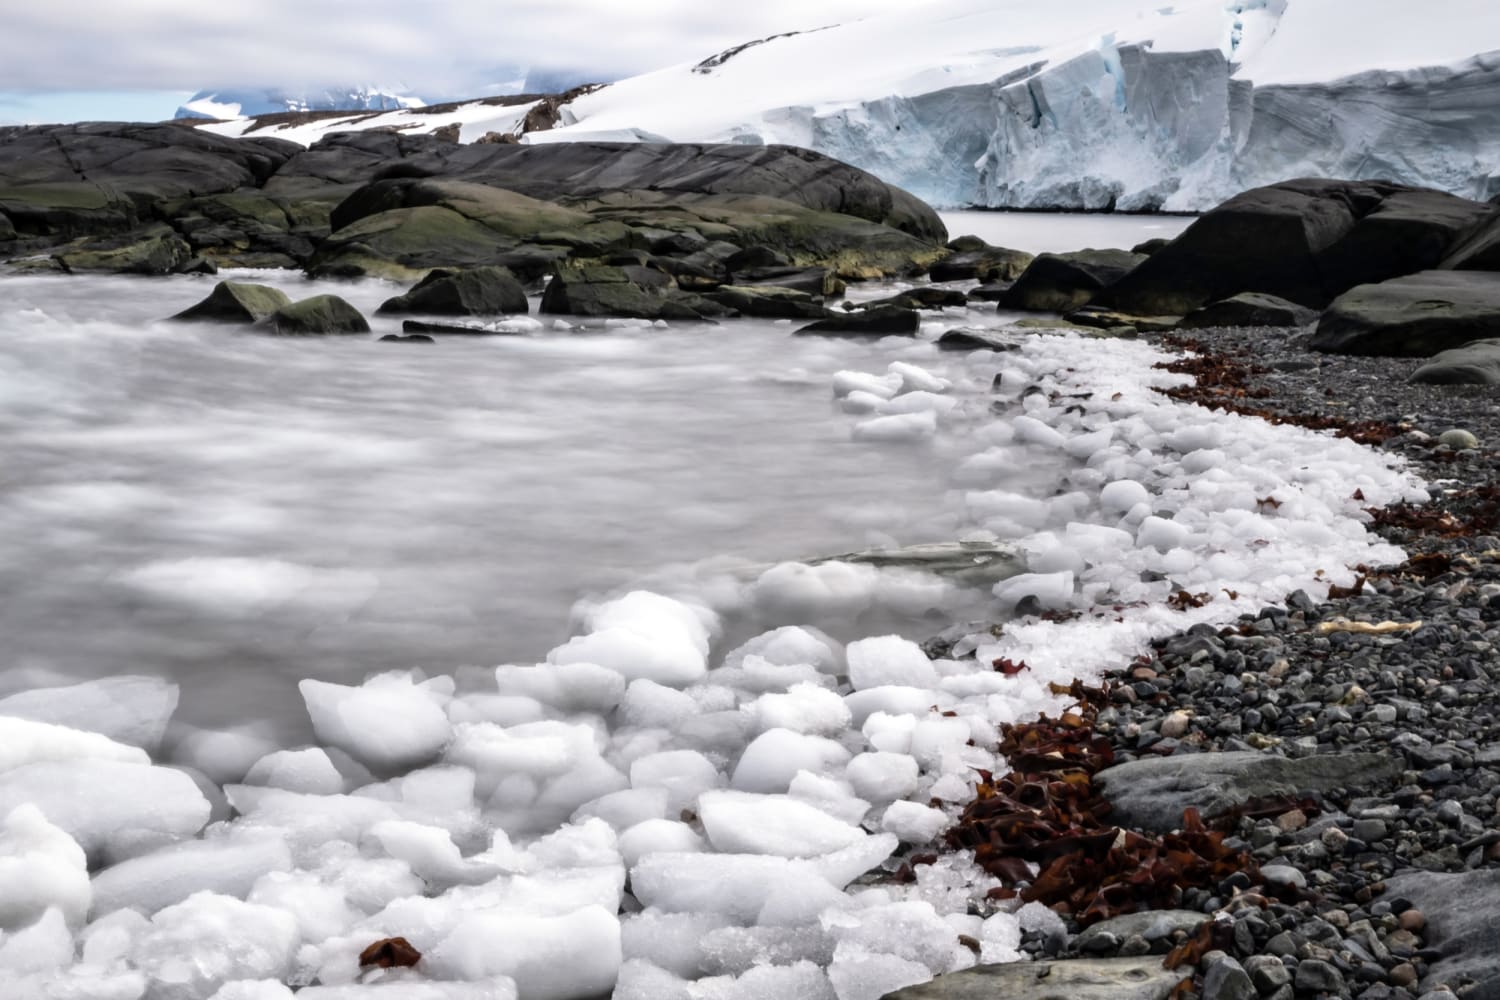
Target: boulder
[883, 322]
[992, 292]
[755, 257]
[769, 301]
[1249, 309]
[975, 340]
[1151, 793]
[921, 297]
[986, 263]
[156, 250]
[321, 314]
[630, 292]
[478, 291]
[1142, 978]
[819, 281]
[1460, 909]
[1476, 363]
[1306, 241]
[1149, 247]
[1063, 282]
[1412, 317]
[406, 338]
[236, 302]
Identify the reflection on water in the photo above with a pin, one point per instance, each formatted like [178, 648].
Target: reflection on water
[239, 511]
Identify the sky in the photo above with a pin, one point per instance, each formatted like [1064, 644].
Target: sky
[66, 60]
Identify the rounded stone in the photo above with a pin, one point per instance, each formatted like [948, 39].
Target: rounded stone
[1458, 439]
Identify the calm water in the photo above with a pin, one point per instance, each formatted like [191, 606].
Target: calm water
[240, 511]
[1046, 233]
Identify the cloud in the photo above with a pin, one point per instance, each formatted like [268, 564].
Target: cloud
[441, 47]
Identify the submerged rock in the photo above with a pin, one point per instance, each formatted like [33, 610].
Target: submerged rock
[978, 564]
[1412, 317]
[237, 302]
[321, 314]
[478, 291]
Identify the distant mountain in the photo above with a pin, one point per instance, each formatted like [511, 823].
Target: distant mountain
[246, 103]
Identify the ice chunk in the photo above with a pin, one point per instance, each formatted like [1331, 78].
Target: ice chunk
[805, 708]
[649, 704]
[23, 741]
[914, 823]
[626, 807]
[322, 911]
[655, 649]
[736, 950]
[865, 976]
[889, 660]
[936, 742]
[773, 759]
[114, 810]
[917, 402]
[1160, 534]
[883, 386]
[672, 941]
[1123, 494]
[387, 724]
[228, 866]
[41, 867]
[883, 777]
[430, 852]
[568, 957]
[916, 379]
[860, 403]
[43, 946]
[257, 989]
[1030, 430]
[404, 988]
[128, 709]
[909, 930]
[659, 836]
[198, 945]
[889, 733]
[309, 771]
[685, 774]
[223, 755]
[791, 645]
[901, 427]
[734, 885]
[571, 687]
[741, 823]
[1052, 591]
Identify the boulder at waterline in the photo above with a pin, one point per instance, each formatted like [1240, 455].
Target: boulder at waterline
[1061, 282]
[922, 297]
[982, 262]
[420, 327]
[1412, 317]
[321, 314]
[1475, 363]
[1142, 978]
[407, 338]
[964, 339]
[632, 292]
[237, 302]
[477, 291]
[1151, 793]
[1307, 241]
[1249, 309]
[769, 301]
[883, 322]
[156, 250]
[993, 292]
[812, 280]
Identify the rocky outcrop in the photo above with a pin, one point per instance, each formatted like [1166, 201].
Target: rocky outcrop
[1412, 317]
[319, 315]
[975, 259]
[155, 250]
[480, 291]
[236, 302]
[1460, 913]
[1307, 241]
[632, 292]
[1249, 309]
[1065, 281]
[769, 301]
[1476, 363]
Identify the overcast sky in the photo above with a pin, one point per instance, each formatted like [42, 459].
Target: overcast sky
[58, 54]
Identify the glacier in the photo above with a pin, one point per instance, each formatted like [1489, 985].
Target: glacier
[225, 104]
[1103, 105]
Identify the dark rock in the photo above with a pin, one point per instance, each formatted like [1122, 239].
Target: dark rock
[1063, 282]
[1268, 973]
[1152, 793]
[1141, 978]
[993, 292]
[632, 292]
[923, 297]
[975, 340]
[410, 338]
[1226, 979]
[812, 280]
[882, 322]
[479, 291]
[769, 301]
[1306, 241]
[1315, 976]
[985, 263]
[321, 314]
[7, 231]
[1151, 246]
[156, 250]
[1249, 309]
[756, 257]
[1413, 317]
[1476, 363]
[452, 329]
[236, 302]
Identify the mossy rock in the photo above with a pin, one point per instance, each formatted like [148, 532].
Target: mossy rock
[628, 292]
[769, 302]
[65, 209]
[479, 291]
[156, 250]
[236, 302]
[406, 243]
[506, 213]
[319, 315]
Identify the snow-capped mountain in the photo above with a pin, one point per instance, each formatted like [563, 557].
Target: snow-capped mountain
[225, 104]
[1102, 103]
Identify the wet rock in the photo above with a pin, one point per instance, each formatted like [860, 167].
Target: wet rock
[1063, 282]
[425, 327]
[1317, 976]
[975, 340]
[922, 297]
[1249, 309]
[820, 281]
[1475, 363]
[1225, 979]
[1416, 316]
[985, 263]
[1152, 793]
[633, 292]
[155, 251]
[883, 322]
[321, 314]
[479, 291]
[407, 338]
[769, 301]
[236, 302]
[1153, 925]
[1141, 978]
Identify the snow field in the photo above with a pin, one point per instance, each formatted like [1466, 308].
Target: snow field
[742, 796]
